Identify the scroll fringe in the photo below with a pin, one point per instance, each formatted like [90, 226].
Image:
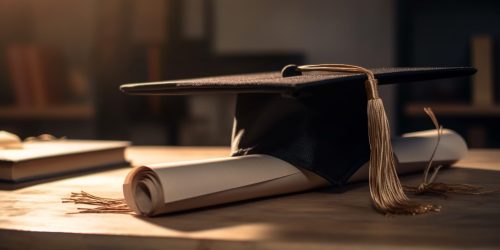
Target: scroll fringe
[103, 205]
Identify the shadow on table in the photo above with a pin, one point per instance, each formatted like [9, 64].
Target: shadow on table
[325, 209]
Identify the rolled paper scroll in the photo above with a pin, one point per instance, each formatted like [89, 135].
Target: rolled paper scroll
[164, 188]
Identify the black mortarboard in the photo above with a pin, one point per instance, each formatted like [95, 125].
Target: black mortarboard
[314, 117]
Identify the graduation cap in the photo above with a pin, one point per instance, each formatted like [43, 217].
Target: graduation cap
[316, 117]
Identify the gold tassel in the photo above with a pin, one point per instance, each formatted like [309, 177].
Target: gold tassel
[385, 188]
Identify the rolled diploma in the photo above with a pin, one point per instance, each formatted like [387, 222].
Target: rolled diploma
[164, 188]
[413, 152]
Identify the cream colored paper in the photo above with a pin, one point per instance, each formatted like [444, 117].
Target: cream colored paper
[413, 151]
[163, 188]
[418, 146]
[218, 175]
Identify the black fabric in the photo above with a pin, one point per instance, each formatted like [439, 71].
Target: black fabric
[325, 132]
[315, 121]
[273, 82]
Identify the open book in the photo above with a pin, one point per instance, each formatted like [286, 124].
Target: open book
[164, 188]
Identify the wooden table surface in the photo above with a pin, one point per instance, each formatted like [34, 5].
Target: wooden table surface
[34, 217]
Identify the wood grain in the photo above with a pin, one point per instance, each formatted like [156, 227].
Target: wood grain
[34, 217]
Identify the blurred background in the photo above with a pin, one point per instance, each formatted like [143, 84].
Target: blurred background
[62, 61]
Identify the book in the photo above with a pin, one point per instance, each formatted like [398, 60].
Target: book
[164, 188]
[482, 60]
[43, 159]
[17, 65]
[49, 74]
[37, 82]
[37, 74]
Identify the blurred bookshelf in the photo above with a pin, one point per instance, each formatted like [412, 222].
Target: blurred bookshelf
[60, 73]
[46, 80]
[435, 33]
[67, 112]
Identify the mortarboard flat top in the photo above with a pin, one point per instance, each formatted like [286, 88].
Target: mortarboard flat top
[313, 120]
[274, 82]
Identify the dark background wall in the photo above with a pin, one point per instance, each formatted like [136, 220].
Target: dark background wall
[440, 33]
[103, 44]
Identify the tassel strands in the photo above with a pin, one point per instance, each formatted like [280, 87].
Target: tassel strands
[385, 188]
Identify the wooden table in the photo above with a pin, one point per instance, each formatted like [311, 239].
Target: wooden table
[34, 217]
